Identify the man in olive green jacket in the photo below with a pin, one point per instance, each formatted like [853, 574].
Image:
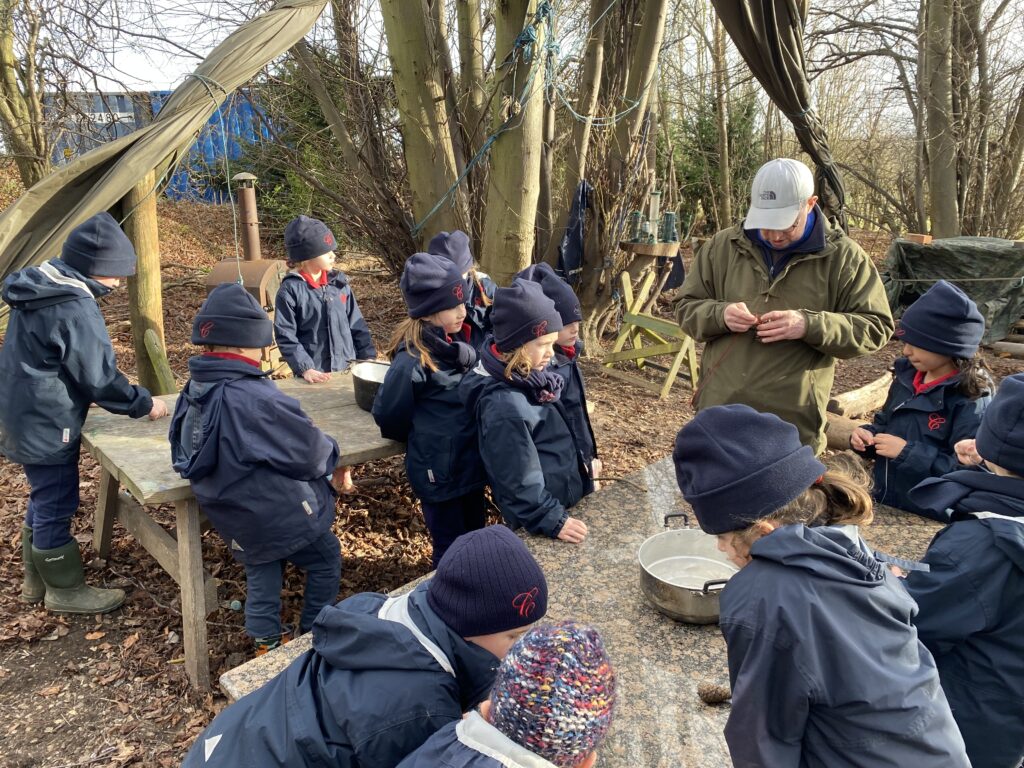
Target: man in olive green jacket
[778, 299]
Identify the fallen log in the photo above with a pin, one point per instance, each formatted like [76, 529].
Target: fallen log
[1010, 349]
[838, 430]
[862, 400]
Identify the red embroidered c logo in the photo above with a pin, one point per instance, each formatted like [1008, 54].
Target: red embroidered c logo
[458, 292]
[540, 328]
[329, 239]
[526, 602]
[935, 421]
[205, 328]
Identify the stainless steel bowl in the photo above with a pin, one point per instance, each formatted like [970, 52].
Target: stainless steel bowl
[367, 377]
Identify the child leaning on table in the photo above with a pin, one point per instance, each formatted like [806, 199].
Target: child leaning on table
[385, 673]
[317, 323]
[526, 442]
[970, 601]
[551, 704]
[56, 359]
[825, 665]
[419, 404]
[937, 397]
[259, 468]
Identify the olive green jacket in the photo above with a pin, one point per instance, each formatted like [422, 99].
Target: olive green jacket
[837, 289]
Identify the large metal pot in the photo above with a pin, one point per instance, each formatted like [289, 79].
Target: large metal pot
[367, 377]
[682, 572]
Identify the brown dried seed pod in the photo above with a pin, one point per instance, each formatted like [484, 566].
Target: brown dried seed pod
[713, 693]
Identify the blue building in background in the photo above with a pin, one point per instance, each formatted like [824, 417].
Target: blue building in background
[103, 117]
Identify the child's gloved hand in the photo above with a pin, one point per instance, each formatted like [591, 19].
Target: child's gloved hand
[158, 411]
[861, 439]
[574, 531]
[313, 376]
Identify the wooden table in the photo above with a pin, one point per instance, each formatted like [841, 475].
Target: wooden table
[135, 457]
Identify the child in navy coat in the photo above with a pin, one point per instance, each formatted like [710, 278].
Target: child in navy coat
[317, 322]
[479, 286]
[57, 359]
[552, 704]
[826, 667]
[418, 403]
[970, 602]
[259, 468]
[568, 348]
[530, 454]
[385, 673]
[936, 399]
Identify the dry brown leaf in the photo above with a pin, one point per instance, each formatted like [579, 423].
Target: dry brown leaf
[53, 690]
[130, 641]
[94, 635]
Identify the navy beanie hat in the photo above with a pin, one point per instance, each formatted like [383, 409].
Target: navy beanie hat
[453, 246]
[99, 248]
[487, 582]
[522, 313]
[307, 238]
[735, 466]
[1000, 437]
[944, 321]
[231, 317]
[556, 289]
[430, 283]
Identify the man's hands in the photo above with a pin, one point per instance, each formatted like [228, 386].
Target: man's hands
[777, 325]
[158, 411]
[313, 376]
[574, 531]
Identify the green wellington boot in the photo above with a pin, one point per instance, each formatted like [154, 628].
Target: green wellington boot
[32, 586]
[66, 590]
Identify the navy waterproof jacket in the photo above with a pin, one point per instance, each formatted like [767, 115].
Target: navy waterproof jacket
[422, 408]
[528, 451]
[258, 466]
[56, 359]
[574, 399]
[320, 328]
[473, 743]
[478, 314]
[382, 676]
[826, 667]
[972, 609]
[931, 423]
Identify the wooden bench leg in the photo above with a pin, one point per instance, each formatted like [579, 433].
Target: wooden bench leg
[193, 602]
[106, 511]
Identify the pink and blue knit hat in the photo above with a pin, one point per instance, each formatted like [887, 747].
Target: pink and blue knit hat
[555, 693]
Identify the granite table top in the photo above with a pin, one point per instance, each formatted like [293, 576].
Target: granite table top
[660, 721]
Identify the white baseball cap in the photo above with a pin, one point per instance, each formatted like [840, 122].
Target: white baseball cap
[780, 191]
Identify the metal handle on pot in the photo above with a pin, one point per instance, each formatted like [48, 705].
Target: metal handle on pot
[670, 515]
[714, 583]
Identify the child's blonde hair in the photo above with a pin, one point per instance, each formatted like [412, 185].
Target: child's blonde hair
[840, 497]
[409, 333]
[484, 298]
[517, 361]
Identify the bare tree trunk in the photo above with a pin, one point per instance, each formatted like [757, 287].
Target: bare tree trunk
[471, 71]
[545, 206]
[1011, 168]
[426, 128]
[21, 94]
[722, 122]
[586, 105]
[145, 303]
[938, 100]
[435, 10]
[514, 182]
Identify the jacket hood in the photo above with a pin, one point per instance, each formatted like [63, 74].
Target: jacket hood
[352, 635]
[835, 553]
[475, 383]
[51, 283]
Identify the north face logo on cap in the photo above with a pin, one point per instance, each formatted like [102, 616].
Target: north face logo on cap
[540, 328]
[769, 195]
[205, 328]
[458, 293]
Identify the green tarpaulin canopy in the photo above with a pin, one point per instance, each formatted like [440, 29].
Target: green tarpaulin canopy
[34, 227]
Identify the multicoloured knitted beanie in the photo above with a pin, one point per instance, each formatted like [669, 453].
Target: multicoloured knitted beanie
[555, 692]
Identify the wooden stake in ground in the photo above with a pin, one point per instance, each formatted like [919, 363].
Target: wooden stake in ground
[145, 303]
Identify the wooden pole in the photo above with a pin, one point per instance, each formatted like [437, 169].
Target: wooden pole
[145, 303]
